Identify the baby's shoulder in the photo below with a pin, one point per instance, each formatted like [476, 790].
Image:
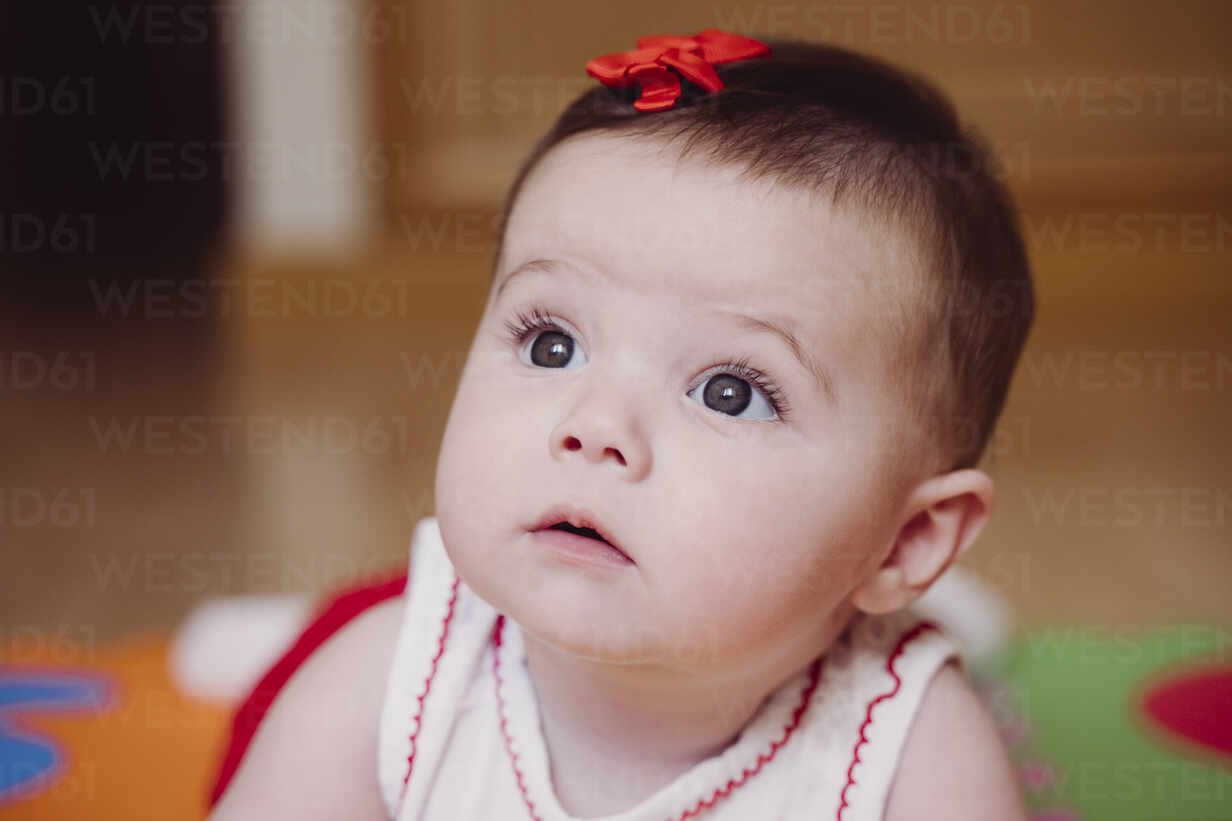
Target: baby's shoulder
[314, 752]
[954, 764]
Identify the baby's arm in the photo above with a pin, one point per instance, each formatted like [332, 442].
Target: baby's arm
[954, 765]
[315, 753]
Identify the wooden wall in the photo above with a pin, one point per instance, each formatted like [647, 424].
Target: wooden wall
[1119, 96]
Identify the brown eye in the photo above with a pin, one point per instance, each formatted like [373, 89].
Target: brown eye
[731, 395]
[727, 394]
[554, 349]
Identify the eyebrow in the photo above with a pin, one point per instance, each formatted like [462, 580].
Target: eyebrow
[542, 265]
[821, 376]
[810, 364]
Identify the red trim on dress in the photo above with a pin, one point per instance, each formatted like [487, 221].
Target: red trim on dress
[702, 803]
[500, 703]
[440, 649]
[910, 635]
[336, 612]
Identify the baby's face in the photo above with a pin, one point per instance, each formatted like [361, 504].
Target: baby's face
[748, 498]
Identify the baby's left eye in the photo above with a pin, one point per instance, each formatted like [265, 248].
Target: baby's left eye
[554, 349]
[732, 395]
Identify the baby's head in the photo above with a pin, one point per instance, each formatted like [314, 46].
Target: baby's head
[759, 340]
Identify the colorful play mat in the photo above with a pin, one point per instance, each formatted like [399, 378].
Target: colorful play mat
[1115, 724]
[101, 733]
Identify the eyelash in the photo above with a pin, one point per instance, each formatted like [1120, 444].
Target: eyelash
[529, 324]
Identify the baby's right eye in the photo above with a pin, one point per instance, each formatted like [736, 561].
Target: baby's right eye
[549, 345]
[554, 349]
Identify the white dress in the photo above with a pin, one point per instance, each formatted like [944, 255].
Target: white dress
[460, 737]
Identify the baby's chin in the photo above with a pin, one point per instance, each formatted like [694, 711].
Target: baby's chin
[574, 619]
[621, 647]
[637, 640]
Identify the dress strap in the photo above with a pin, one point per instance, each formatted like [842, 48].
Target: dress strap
[430, 663]
[895, 658]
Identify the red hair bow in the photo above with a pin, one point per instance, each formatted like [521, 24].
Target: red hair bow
[694, 57]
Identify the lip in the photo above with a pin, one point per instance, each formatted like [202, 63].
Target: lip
[578, 516]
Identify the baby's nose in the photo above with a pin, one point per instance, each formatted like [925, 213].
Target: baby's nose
[603, 433]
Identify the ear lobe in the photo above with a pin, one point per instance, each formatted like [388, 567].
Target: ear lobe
[946, 514]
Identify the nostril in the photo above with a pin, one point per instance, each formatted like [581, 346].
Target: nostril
[573, 443]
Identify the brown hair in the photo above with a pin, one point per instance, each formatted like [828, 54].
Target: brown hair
[889, 143]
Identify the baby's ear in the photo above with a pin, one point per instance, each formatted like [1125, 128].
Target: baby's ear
[943, 516]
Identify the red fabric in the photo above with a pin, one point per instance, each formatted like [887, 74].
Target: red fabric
[1196, 705]
[694, 57]
[337, 611]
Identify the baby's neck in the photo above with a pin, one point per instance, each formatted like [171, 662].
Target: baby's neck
[615, 735]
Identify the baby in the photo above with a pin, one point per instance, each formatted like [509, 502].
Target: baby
[717, 430]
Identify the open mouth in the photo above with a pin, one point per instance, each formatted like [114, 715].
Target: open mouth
[578, 521]
[581, 531]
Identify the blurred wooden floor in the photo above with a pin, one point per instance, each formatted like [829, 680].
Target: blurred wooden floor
[131, 491]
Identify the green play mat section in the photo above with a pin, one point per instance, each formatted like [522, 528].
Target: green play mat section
[1069, 701]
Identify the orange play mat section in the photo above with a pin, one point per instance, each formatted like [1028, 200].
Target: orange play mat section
[145, 751]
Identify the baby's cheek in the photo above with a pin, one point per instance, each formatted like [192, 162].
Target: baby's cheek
[824, 579]
[471, 456]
